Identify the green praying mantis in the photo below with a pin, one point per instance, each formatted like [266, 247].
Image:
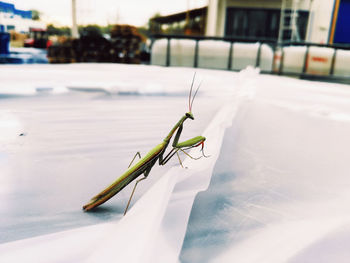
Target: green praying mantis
[145, 164]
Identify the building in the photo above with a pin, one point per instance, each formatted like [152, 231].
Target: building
[339, 31]
[318, 21]
[253, 18]
[190, 22]
[13, 19]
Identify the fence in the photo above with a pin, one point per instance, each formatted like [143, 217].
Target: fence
[304, 60]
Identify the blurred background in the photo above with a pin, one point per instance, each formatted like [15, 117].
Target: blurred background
[152, 33]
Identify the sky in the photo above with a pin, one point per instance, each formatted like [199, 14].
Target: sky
[134, 12]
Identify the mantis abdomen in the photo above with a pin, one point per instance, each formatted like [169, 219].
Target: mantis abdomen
[127, 177]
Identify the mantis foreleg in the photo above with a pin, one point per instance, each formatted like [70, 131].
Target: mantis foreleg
[194, 142]
[178, 156]
[194, 158]
[175, 151]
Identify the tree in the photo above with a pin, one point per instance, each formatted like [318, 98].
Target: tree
[35, 14]
[154, 27]
[57, 31]
[90, 30]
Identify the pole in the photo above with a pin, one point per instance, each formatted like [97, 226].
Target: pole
[75, 33]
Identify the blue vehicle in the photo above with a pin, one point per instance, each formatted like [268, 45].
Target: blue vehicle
[24, 56]
[4, 42]
[20, 55]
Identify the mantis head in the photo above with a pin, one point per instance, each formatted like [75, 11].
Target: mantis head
[189, 115]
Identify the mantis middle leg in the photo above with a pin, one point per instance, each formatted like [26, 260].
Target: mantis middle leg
[133, 190]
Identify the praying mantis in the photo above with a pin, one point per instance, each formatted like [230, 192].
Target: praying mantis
[145, 164]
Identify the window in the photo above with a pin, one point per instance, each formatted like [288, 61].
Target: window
[259, 23]
[10, 27]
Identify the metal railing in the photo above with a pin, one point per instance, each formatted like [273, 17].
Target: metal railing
[231, 40]
[304, 74]
[274, 46]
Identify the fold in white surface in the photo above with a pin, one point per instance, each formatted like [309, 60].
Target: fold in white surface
[154, 229]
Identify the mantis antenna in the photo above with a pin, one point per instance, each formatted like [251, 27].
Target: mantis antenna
[189, 97]
[190, 102]
[195, 94]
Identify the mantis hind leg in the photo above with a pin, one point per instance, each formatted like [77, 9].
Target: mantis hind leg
[132, 193]
[133, 190]
[133, 159]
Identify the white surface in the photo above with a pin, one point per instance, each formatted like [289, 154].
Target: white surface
[278, 176]
[182, 52]
[293, 59]
[279, 191]
[319, 61]
[243, 55]
[213, 54]
[158, 54]
[341, 65]
[266, 58]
